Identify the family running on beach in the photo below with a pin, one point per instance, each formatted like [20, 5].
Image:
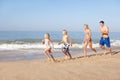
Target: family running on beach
[67, 42]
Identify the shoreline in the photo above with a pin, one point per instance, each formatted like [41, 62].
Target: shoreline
[36, 54]
[101, 67]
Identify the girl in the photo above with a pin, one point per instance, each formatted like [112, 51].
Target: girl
[87, 40]
[48, 46]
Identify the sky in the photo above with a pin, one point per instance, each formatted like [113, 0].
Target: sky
[55, 15]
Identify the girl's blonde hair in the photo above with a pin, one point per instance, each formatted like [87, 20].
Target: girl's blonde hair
[47, 35]
[65, 31]
[86, 26]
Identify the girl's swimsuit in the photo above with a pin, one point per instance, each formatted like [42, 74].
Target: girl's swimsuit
[87, 40]
[47, 43]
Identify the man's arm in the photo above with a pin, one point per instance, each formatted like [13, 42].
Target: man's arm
[107, 29]
[101, 30]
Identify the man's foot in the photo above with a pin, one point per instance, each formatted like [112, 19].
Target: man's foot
[85, 56]
[111, 53]
[105, 52]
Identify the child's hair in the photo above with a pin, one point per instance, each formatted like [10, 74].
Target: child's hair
[48, 35]
[65, 31]
[86, 25]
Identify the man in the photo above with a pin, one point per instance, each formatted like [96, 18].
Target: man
[105, 40]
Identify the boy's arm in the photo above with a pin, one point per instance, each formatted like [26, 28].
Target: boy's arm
[60, 42]
[70, 39]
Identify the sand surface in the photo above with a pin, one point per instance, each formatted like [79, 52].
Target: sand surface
[101, 67]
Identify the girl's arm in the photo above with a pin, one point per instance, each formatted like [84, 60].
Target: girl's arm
[89, 34]
[43, 41]
[52, 44]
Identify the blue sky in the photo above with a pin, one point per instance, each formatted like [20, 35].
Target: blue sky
[55, 15]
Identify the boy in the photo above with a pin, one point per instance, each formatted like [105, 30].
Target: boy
[67, 42]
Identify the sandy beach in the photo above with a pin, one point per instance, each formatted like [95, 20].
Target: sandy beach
[101, 67]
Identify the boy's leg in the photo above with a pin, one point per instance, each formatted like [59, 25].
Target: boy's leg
[69, 55]
[68, 52]
[63, 50]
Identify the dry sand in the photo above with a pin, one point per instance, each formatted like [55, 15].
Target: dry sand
[101, 67]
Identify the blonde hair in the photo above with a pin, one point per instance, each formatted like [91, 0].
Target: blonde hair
[47, 34]
[65, 31]
[86, 26]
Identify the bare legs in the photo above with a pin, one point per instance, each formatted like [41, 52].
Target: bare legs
[90, 46]
[106, 49]
[68, 55]
[48, 53]
[84, 49]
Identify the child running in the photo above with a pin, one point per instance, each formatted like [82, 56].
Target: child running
[87, 40]
[67, 42]
[48, 46]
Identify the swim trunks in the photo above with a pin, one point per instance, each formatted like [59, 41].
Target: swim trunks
[105, 41]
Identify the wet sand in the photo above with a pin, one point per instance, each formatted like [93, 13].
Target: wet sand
[101, 67]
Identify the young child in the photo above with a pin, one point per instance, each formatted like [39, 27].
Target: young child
[48, 46]
[67, 42]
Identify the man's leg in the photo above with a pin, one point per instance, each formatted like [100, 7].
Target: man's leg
[102, 42]
[108, 45]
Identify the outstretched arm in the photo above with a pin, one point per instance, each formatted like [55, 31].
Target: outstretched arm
[43, 41]
[52, 44]
[70, 39]
[60, 42]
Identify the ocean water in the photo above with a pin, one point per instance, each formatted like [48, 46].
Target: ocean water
[17, 45]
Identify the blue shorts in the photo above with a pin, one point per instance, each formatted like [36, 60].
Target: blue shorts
[105, 41]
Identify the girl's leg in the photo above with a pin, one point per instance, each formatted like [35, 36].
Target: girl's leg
[53, 59]
[84, 49]
[46, 53]
[50, 53]
[91, 48]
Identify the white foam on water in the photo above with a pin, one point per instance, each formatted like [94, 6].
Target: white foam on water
[14, 46]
